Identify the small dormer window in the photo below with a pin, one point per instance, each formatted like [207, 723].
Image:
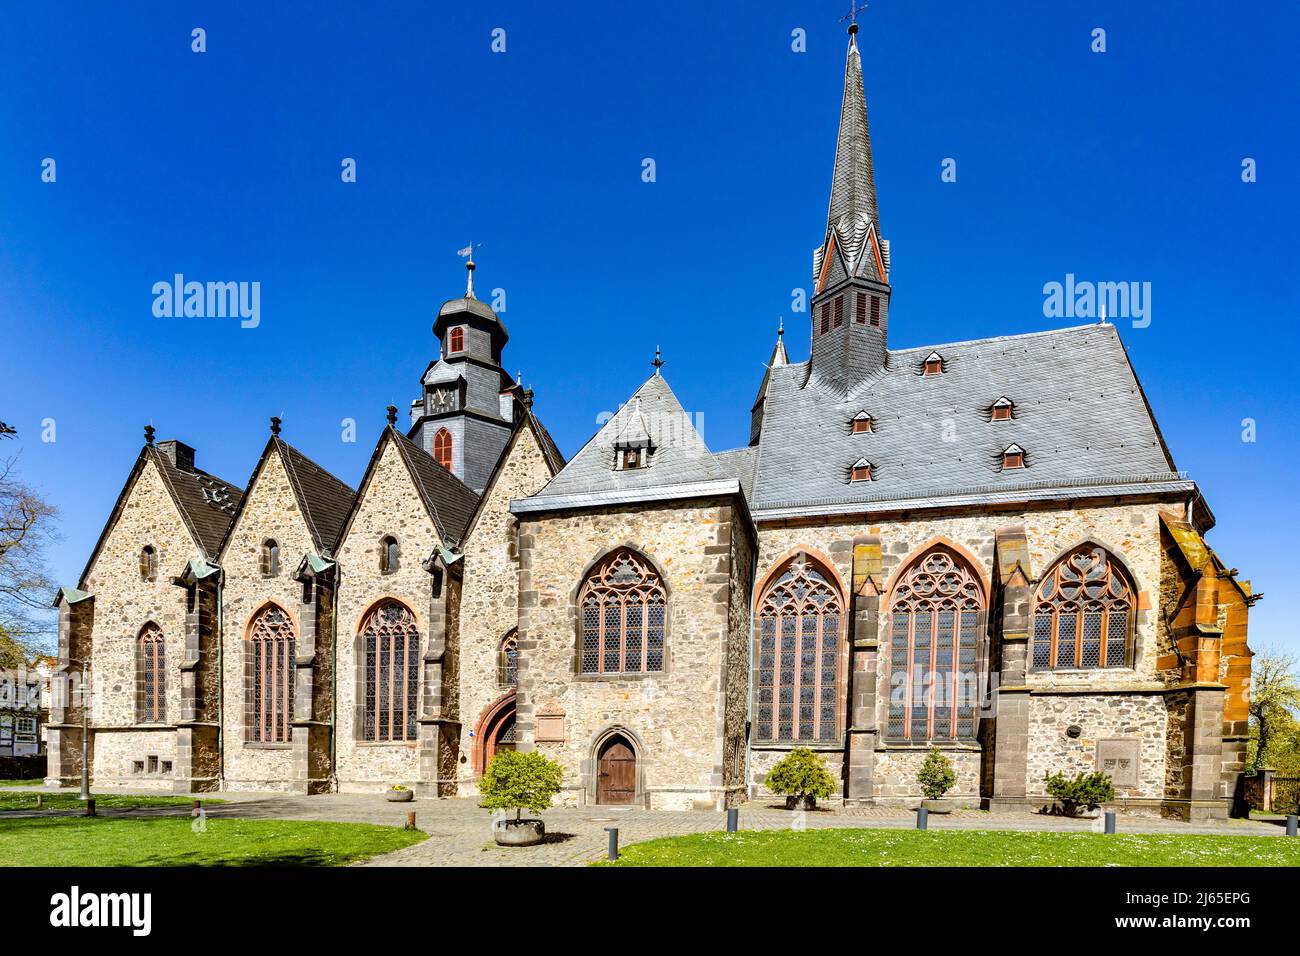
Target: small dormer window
[1002, 409]
[270, 558]
[934, 364]
[149, 563]
[861, 470]
[1013, 456]
[632, 458]
[456, 339]
[861, 423]
[388, 555]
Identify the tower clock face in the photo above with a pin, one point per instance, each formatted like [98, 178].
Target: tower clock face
[442, 400]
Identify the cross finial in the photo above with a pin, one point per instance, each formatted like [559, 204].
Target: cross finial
[148, 434]
[392, 414]
[780, 326]
[658, 363]
[852, 16]
[275, 424]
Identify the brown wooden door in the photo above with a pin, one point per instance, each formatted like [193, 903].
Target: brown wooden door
[617, 768]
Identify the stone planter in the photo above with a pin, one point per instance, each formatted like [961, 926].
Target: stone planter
[801, 801]
[399, 796]
[937, 806]
[519, 832]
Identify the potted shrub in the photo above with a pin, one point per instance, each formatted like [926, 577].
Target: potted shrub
[519, 781]
[801, 776]
[936, 778]
[1081, 795]
[399, 794]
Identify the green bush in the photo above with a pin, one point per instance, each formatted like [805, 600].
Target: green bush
[520, 781]
[1087, 790]
[936, 775]
[801, 772]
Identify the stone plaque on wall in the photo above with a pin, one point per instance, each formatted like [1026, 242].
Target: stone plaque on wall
[550, 727]
[1119, 758]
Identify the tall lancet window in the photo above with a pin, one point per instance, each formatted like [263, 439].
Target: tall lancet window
[151, 675]
[271, 641]
[623, 616]
[800, 639]
[937, 614]
[391, 645]
[442, 444]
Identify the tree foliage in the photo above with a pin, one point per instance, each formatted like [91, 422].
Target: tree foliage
[801, 772]
[936, 775]
[520, 781]
[26, 587]
[1274, 708]
[1087, 790]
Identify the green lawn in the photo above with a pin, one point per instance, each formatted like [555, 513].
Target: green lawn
[35, 782]
[172, 841]
[846, 847]
[66, 800]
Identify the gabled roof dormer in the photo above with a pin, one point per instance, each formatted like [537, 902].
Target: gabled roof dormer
[862, 423]
[1013, 456]
[933, 364]
[1003, 410]
[861, 470]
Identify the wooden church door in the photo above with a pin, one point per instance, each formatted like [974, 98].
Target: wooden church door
[616, 782]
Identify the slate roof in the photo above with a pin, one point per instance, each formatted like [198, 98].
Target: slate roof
[550, 451]
[449, 501]
[325, 500]
[206, 502]
[1080, 414]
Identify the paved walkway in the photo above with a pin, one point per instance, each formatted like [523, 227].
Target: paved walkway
[460, 832]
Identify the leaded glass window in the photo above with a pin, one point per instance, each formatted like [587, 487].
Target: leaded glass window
[1083, 613]
[623, 613]
[151, 674]
[272, 644]
[392, 660]
[799, 644]
[936, 615]
[508, 662]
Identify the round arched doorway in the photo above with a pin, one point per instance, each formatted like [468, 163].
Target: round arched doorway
[496, 732]
[616, 771]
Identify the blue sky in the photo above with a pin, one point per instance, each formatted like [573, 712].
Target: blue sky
[225, 165]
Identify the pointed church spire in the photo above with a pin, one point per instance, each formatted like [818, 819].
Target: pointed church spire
[853, 185]
[779, 355]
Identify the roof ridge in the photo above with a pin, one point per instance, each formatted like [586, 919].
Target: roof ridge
[425, 493]
[1002, 338]
[298, 492]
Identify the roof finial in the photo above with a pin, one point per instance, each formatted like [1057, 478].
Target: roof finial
[780, 326]
[1103, 312]
[468, 253]
[275, 425]
[658, 363]
[852, 17]
[148, 434]
[392, 414]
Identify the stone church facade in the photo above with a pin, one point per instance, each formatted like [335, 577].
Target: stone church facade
[983, 546]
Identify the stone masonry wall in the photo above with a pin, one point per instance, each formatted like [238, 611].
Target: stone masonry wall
[390, 506]
[124, 603]
[1130, 531]
[270, 511]
[672, 716]
[1051, 749]
[490, 597]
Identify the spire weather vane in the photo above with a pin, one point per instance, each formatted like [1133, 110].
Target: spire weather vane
[468, 255]
[852, 15]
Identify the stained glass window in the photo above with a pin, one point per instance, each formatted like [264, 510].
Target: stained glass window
[271, 648]
[623, 614]
[508, 662]
[151, 672]
[392, 658]
[1083, 613]
[936, 614]
[799, 644]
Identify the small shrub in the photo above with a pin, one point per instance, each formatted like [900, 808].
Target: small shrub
[520, 781]
[399, 787]
[1086, 790]
[801, 772]
[936, 775]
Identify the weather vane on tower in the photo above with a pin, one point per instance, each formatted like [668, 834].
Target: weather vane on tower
[852, 16]
[468, 254]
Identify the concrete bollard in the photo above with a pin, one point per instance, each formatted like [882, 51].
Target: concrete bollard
[922, 818]
[1110, 821]
[40, 801]
[90, 807]
[1291, 824]
[613, 842]
[733, 820]
[410, 820]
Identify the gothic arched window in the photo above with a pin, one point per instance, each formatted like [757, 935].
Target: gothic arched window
[391, 646]
[937, 616]
[624, 613]
[508, 661]
[270, 558]
[1083, 613]
[151, 675]
[800, 619]
[272, 641]
[456, 340]
[442, 448]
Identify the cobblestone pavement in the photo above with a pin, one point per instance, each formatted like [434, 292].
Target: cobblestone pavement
[460, 832]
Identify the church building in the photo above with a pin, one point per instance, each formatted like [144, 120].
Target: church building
[982, 546]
